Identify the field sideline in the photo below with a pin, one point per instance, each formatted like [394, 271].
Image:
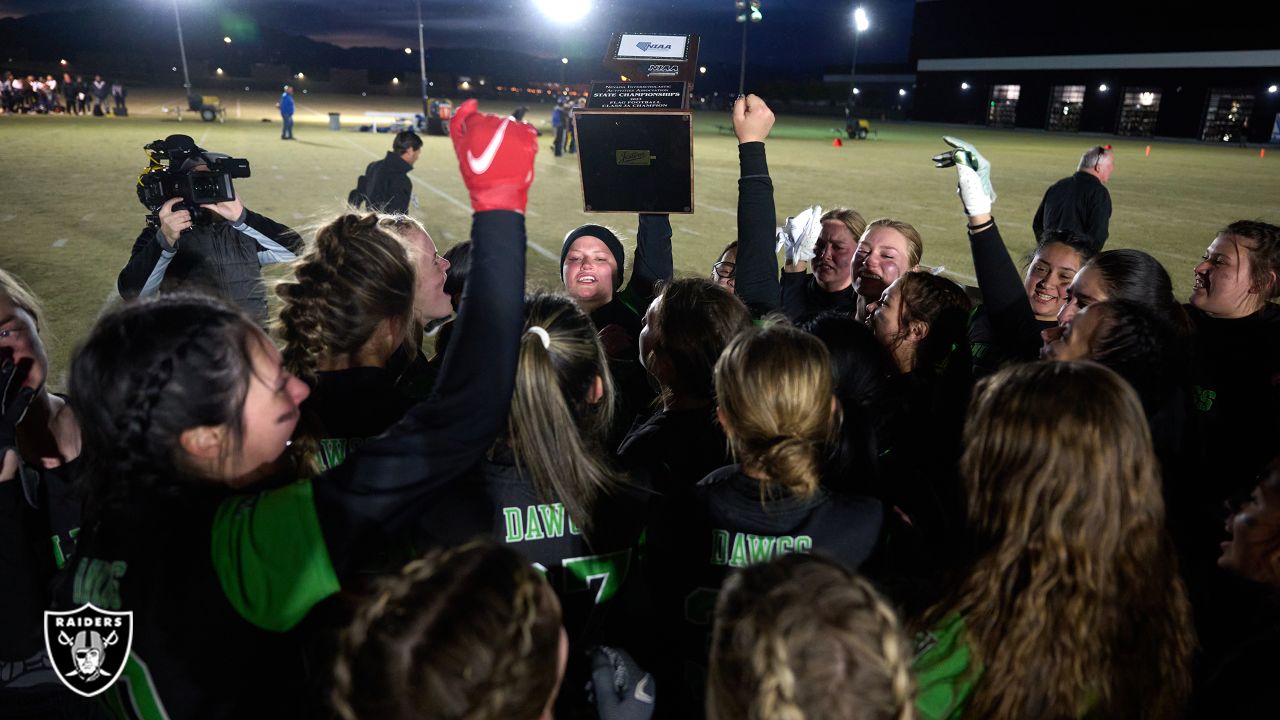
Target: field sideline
[70, 213]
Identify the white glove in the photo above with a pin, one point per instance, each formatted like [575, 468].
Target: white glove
[799, 234]
[974, 171]
[973, 192]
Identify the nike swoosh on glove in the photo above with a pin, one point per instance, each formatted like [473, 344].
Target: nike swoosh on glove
[799, 234]
[496, 158]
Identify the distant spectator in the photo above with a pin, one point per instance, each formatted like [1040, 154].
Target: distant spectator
[117, 95]
[100, 92]
[286, 112]
[69, 92]
[82, 96]
[1080, 203]
[559, 122]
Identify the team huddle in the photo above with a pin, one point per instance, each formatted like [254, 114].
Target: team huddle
[846, 487]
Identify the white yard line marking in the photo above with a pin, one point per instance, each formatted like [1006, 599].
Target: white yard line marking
[960, 275]
[60, 242]
[714, 208]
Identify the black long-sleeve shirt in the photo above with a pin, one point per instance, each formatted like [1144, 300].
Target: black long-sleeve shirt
[756, 276]
[1006, 328]
[1079, 203]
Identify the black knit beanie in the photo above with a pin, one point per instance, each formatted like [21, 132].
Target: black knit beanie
[606, 236]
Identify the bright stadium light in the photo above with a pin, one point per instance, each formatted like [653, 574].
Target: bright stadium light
[226, 39]
[964, 86]
[1102, 87]
[563, 11]
[703, 69]
[1273, 89]
[218, 71]
[63, 63]
[860, 21]
[902, 92]
[408, 51]
[860, 25]
[564, 61]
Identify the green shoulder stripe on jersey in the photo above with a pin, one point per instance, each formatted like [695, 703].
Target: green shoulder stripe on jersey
[946, 671]
[270, 556]
[632, 300]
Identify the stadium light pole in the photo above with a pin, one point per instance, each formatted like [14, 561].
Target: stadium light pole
[747, 10]
[422, 64]
[860, 25]
[182, 49]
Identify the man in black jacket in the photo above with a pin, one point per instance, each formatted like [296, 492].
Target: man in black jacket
[1080, 203]
[386, 185]
[224, 257]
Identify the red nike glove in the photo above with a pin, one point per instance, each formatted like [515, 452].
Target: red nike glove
[496, 158]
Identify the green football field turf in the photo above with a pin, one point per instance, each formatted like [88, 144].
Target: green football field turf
[69, 212]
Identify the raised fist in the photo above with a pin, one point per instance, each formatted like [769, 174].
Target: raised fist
[496, 158]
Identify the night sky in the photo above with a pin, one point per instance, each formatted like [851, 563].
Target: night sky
[803, 34]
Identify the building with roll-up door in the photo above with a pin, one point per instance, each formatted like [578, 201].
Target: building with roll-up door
[1129, 69]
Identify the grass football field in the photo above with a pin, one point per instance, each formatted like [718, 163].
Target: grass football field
[69, 211]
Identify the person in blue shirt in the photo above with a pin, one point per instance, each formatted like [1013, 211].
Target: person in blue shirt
[286, 112]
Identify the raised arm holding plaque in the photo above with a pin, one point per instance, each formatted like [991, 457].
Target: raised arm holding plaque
[635, 137]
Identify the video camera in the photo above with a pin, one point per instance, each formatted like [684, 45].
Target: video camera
[158, 183]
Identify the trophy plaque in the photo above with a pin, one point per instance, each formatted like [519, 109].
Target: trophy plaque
[635, 136]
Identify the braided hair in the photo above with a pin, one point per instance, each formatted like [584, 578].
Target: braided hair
[147, 372]
[354, 275]
[801, 638]
[470, 633]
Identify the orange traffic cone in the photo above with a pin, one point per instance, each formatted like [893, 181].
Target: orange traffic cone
[837, 143]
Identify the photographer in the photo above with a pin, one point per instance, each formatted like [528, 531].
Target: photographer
[221, 249]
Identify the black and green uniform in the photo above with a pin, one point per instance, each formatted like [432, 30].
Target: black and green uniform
[803, 300]
[676, 448]
[619, 321]
[946, 670]
[39, 523]
[1236, 394]
[589, 574]
[350, 406]
[734, 522]
[215, 578]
